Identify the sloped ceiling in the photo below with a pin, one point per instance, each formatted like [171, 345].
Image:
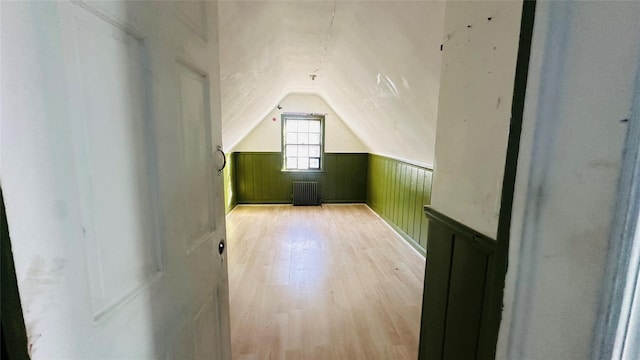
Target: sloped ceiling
[377, 64]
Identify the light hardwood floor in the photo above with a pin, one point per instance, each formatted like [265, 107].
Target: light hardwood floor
[321, 282]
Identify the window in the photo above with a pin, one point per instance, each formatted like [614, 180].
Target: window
[302, 137]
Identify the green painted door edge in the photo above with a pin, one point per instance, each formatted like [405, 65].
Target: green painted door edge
[14, 334]
[493, 317]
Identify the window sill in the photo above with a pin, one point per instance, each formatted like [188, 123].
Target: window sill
[302, 171]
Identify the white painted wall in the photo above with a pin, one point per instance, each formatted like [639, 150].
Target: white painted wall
[383, 74]
[377, 65]
[476, 87]
[583, 79]
[267, 135]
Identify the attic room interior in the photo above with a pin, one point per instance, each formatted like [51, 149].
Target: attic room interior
[399, 86]
[370, 72]
[471, 170]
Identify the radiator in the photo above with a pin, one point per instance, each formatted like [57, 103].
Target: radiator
[305, 193]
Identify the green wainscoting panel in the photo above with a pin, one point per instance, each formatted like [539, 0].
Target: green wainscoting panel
[398, 191]
[230, 200]
[259, 178]
[456, 311]
[395, 190]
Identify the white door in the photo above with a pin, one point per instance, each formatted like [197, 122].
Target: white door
[109, 130]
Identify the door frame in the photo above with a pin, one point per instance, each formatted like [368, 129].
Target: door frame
[621, 298]
[509, 179]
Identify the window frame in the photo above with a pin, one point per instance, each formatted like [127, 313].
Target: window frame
[283, 139]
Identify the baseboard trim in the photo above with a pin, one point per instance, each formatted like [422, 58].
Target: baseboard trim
[408, 239]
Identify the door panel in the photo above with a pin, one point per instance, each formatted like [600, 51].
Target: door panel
[194, 111]
[201, 246]
[114, 172]
[207, 346]
[108, 171]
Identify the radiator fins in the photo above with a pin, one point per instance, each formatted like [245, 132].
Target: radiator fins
[305, 193]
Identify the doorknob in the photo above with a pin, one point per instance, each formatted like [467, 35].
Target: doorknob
[221, 247]
[224, 159]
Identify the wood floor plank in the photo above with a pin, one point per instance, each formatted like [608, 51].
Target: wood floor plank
[321, 282]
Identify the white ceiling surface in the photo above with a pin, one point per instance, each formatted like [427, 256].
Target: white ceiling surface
[377, 65]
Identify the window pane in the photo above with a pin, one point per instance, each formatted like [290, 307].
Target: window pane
[291, 125]
[302, 143]
[303, 125]
[303, 163]
[292, 138]
[314, 126]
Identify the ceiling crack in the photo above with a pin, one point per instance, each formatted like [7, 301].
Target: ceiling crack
[328, 38]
